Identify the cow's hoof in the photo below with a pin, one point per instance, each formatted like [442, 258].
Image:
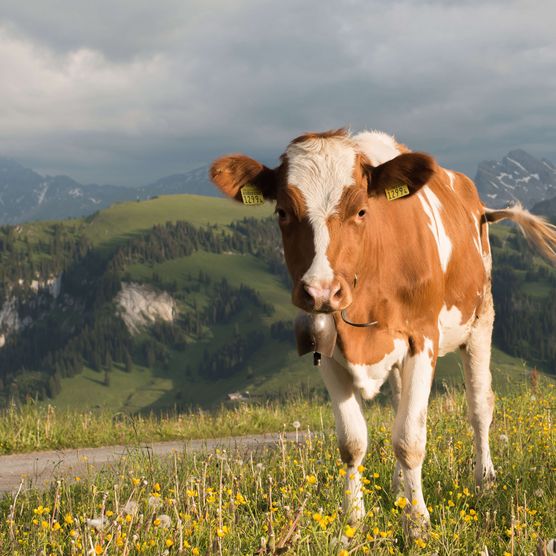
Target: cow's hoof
[416, 525]
[485, 478]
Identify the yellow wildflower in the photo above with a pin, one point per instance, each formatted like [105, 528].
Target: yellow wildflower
[420, 543]
[349, 531]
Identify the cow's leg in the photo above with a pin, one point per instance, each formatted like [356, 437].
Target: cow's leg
[480, 398]
[410, 433]
[351, 431]
[395, 381]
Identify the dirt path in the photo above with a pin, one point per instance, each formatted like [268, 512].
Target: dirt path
[39, 469]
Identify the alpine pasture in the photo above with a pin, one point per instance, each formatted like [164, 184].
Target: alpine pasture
[284, 500]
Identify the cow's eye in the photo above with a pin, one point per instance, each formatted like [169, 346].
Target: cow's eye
[361, 213]
[282, 215]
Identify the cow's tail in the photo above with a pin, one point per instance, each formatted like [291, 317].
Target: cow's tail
[537, 230]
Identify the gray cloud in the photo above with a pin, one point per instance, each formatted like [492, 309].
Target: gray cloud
[126, 92]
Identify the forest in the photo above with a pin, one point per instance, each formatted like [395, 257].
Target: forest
[81, 327]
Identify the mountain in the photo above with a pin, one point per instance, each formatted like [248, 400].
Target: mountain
[546, 208]
[26, 195]
[194, 182]
[517, 177]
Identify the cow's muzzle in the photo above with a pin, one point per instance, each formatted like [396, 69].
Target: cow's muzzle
[322, 297]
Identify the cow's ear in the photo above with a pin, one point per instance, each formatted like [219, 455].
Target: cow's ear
[409, 169]
[231, 173]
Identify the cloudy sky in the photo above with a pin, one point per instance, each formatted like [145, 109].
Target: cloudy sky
[127, 91]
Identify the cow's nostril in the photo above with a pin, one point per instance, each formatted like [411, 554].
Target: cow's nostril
[337, 292]
[308, 294]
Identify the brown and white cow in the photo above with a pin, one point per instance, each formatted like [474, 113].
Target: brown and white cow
[419, 265]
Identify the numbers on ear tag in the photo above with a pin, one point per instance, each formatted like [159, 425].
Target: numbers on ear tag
[251, 195]
[394, 193]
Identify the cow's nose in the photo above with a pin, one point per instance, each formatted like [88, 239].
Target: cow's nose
[325, 296]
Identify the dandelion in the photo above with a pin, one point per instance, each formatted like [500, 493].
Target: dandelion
[222, 531]
[96, 523]
[154, 502]
[420, 543]
[169, 543]
[131, 507]
[401, 502]
[349, 531]
[311, 479]
[504, 439]
[41, 510]
[163, 520]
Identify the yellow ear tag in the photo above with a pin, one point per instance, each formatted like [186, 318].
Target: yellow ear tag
[251, 195]
[396, 192]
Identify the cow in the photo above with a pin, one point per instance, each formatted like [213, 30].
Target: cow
[396, 249]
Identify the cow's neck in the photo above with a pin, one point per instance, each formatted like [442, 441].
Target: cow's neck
[370, 298]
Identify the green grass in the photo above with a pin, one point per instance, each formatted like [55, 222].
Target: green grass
[237, 269]
[33, 427]
[129, 392]
[124, 220]
[288, 499]
[274, 371]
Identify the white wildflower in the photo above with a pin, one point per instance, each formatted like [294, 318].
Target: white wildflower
[296, 425]
[504, 438]
[539, 493]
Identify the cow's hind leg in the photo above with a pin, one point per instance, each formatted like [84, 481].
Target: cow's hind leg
[480, 398]
[410, 433]
[351, 431]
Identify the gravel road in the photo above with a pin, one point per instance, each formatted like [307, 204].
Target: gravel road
[39, 469]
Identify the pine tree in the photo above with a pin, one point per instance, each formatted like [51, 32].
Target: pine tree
[128, 362]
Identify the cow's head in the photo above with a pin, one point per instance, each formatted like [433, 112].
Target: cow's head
[324, 188]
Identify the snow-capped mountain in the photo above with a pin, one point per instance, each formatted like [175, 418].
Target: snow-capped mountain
[26, 195]
[517, 177]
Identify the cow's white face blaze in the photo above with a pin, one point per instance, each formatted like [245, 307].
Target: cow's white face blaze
[320, 168]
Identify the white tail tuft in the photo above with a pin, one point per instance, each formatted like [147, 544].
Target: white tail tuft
[537, 230]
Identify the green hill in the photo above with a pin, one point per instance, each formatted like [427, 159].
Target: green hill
[231, 302]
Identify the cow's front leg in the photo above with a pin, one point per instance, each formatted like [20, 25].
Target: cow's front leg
[351, 431]
[395, 381]
[410, 433]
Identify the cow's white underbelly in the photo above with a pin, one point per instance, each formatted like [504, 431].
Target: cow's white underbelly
[452, 332]
[369, 378]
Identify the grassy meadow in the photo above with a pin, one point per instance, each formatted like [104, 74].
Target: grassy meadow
[286, 500]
